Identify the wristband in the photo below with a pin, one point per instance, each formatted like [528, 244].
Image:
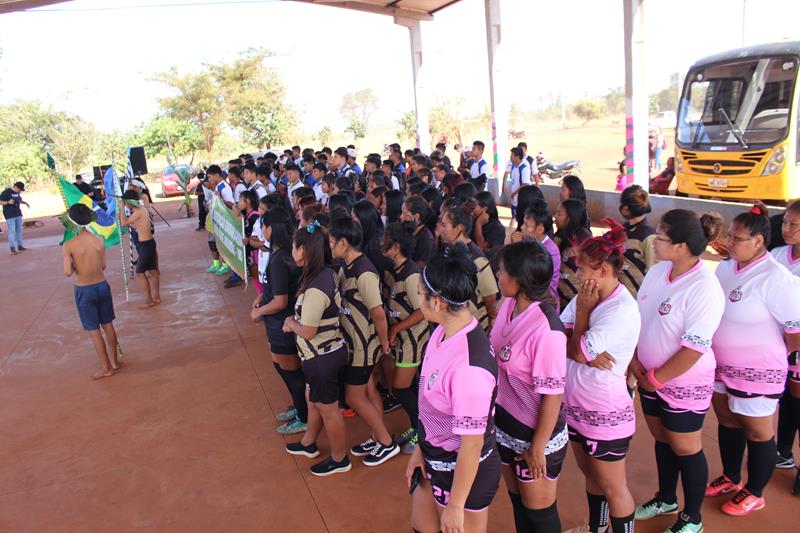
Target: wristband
[651, 376]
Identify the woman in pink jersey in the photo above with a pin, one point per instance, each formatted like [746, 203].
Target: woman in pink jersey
[789, 405]
[681, 304]
[456, 463]
[603, 327]
[760, 326]
[530, 344]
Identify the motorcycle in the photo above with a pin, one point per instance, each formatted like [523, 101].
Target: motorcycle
[554, 172]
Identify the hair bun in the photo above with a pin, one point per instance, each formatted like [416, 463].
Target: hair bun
[757, 210]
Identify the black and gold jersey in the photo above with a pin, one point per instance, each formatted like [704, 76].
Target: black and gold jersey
[640, 255]
[361, 291]
[403, 284]
[318, 306]
[487, 286]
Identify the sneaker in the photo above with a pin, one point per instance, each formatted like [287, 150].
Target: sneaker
[14, 251]
[743, 504]
[296, 448]
[348, 413]
[410, 446]
[222, 270]
[722, 485]
[287, 415]
[407, 436]
[364, 449]
[390, 404]
[684, 525]
[293, 426]
[22, 249]
[784, 462]
[211, 269]
[796, 486]
[655, 507]
[329, 466]
[231, 283]
[380, 454]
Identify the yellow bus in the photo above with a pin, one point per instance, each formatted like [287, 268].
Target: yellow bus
[738, 132]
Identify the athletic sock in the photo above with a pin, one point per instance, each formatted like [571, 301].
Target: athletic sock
[409, 399]
[296, 385]
[667, 465]
[598, 511]
[760, 465]
[520, 517]
[787, 424]
[622, 524]
[694, 478]
[731, 450]
[544, 520]
[215, 263]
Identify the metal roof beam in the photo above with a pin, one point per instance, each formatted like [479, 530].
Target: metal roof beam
[21, 5]
[371, 8]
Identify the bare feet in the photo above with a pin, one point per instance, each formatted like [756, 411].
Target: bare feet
[156, 301]
[147, 305]
[117, 365]
[100, 374]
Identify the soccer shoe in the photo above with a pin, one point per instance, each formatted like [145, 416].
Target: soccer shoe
[329, 467]
[296, 448]
[743, 504]
[410, 446]
[223, 269]
[684, 525]
[653, 508]
[292, 426]
[287, 415]
[722, 485]
[784, 462]
[407, 436]
[211, 269]
[364, 449]
[390, 404]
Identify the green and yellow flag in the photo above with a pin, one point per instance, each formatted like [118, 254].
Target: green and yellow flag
[104, 224]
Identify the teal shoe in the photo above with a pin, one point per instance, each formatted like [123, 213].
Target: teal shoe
[211, 269]
[292, 427]
[654, 508]
[683, 525]
[223, 269]
[287, 415]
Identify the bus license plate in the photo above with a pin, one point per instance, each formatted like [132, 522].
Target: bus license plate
[718, 183]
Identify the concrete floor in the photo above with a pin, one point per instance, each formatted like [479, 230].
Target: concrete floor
[183, 439]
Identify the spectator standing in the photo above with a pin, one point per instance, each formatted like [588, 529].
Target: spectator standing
[11, 200]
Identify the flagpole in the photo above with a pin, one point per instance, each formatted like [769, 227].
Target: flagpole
[128, 176]
[119, 228]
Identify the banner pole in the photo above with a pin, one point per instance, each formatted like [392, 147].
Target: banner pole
[244, 257]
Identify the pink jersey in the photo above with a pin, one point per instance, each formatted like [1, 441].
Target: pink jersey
[684, 312]
[596, 402]
[762, 302]
[457, 391]
[532, 359]
[783, 255]
[555, 255]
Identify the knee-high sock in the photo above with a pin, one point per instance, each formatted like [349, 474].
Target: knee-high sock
[760, 465]
[787, 424]
[598, 511]
[731, 450]
[667, 466]
[544, 520]
[622, 524]
[520, 517]
[296, 385]
[694, 477]
[409, 398]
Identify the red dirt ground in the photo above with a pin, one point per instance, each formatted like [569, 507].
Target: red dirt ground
[183, 439]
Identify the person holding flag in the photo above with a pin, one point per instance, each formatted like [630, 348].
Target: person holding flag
[147, 264]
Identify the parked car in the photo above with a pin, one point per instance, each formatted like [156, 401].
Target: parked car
[170, 179]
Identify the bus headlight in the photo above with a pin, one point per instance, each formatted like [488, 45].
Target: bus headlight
[679, 166]
[775, 163]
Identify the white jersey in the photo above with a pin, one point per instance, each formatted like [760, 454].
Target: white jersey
[238, 190]
[259, 189]
[783, 255]
[478, 168]
[225, 192]
[596, 401]
[684, 312]
[520, 175]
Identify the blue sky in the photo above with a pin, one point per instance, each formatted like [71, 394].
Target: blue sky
[97, 62]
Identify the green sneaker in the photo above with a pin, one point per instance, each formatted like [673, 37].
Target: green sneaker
[411, 445]
[683, 525]
[288, 415]
[292, 427]
[211, 269]
[223, 269]
[407, 436]
[653, 508]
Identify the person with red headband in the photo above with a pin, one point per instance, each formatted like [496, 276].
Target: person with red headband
[760, 326]
[681, 304]
[603, 324]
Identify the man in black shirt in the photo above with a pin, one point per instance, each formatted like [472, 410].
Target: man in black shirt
[85, 188]
[11, 200]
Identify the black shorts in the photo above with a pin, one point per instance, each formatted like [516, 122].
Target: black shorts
[356, 375]
[148, 257]
[554, 461]
[487, 481]
[602, 450]
[279, 342]
[675, 420]
[322, 375]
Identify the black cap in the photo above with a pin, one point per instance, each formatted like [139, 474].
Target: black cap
[19, 185]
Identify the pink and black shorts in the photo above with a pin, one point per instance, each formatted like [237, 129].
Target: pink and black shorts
[602, 450]
[440, 475]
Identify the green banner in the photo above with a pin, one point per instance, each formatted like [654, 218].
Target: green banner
[229, 233]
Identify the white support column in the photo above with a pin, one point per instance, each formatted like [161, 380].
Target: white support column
[636, 101]
[420, 104]
[497, 95]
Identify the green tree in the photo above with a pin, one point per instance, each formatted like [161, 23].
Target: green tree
[113, 146]
[407, 126]
[29, 121]
[21, 160]
[615, 101]
[587, 110]
[171, 138]
[652, 104]
[359, 106]
[324, 135]
[446, 120]
[357, 128]
[73, 141]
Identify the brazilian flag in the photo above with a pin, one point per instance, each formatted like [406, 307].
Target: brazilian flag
[104, 223]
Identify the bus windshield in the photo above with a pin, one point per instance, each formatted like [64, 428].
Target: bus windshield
[741, 103]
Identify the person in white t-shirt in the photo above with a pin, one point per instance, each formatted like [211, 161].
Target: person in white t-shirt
[235, 181]
[479, 165]
[520, 176]
[250, 175]
[293, 181]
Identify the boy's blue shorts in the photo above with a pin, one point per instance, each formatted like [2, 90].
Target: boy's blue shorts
[95, 305]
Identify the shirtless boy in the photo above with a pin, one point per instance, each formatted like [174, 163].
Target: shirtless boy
[147, 264]
[85, 256]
